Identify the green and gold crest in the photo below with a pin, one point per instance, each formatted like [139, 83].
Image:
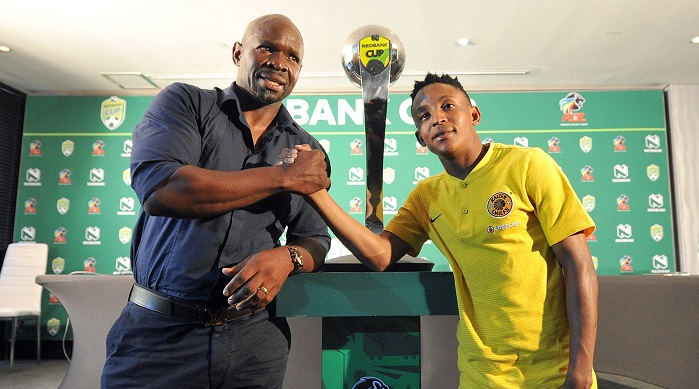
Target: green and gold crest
[113, 112]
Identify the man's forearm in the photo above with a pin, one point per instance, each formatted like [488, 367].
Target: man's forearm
[372, 250]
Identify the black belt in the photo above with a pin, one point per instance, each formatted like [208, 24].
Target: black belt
[166, 305]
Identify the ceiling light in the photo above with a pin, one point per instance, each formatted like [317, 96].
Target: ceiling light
[5, 49]
[464, 42]
[695, 39]
[130, 80]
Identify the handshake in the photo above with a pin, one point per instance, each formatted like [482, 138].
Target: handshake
[306, 169]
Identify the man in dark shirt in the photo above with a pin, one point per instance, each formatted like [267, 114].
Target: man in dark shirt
[203, 167]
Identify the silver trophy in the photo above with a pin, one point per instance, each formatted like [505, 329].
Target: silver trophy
[373, 58]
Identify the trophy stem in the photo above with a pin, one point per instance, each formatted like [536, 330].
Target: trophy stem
[375, 98]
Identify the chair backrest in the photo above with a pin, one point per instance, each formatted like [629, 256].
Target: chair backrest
[18, 287]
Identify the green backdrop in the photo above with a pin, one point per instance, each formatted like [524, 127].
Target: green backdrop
[74, 191]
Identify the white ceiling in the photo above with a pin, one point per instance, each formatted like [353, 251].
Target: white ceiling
[63, 47]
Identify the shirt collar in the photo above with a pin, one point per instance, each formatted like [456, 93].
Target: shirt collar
[283, 118]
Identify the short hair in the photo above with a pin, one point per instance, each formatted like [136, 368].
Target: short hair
[432, 78]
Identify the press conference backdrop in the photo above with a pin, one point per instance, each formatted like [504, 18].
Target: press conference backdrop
[74, 187]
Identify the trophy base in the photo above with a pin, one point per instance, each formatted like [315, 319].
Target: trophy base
[350, 263]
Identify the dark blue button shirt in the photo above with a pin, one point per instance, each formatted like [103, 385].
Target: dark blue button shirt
[185, 125]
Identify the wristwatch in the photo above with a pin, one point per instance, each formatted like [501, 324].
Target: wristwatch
[296, 257]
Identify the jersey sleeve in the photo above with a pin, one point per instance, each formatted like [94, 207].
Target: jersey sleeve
[557, 206]
[409, 224]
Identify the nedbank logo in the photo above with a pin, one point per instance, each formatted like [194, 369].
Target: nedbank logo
[113, 112]
[27, 234]
[390, 205]
[421, 172]
[390, 147]
[92, 236]
[356, 176]
[375, 53]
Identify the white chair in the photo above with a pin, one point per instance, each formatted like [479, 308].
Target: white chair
[20, 295]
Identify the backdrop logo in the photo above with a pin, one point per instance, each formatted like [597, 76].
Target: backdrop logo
[589, 203]
[58, 264]
[522, 141]
[421, 172]
[571, 106]
[127, 206]
[33, 177]
[554, 145]
[389, 175]
[653, 172]
[124, 235]
[625, 264]
[657, 232]
[622, 203]
[390, 147]
[64, 177]
[89, 264]
[98, 148]
[390, 205]
[126, 150]
[35, 148]
[52, 326]
[420, 149]
[27, 234]
[356, 176]
[122, 265]
[30, 206]
[356, 205]
[126, 176]
[356, 147]
[656, 202]
[586, 144]
[92, 236]
[93, 206]
[586, 173]
[660, 264]
[96, 177]
[624, 233]
[500, 205]
[621, 173]
[67, 147]
[619, 144]
[113, 112]
[652, 144]
[63, 205]
[59, 235]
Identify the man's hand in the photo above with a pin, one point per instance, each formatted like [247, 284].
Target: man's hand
[258, 278]
[306, 169]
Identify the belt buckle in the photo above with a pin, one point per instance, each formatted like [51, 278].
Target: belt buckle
[216, 317]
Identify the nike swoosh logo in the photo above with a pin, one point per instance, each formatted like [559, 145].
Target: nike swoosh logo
[436, 217]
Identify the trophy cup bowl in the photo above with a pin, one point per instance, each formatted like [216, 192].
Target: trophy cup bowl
[350, 53]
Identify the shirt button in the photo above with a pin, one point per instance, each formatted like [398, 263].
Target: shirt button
[463, 185]
[464, 211]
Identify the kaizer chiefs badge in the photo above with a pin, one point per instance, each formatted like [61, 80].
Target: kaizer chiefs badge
[500, 205]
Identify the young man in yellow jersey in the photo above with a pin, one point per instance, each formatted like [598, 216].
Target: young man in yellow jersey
[513, 230]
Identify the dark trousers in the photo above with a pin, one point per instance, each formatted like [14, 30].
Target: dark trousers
[146, 349]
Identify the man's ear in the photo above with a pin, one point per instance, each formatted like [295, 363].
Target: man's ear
[475, 115]
[237, 52]
[419, 139]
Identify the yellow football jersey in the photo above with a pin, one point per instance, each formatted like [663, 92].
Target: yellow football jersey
[496, 228]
